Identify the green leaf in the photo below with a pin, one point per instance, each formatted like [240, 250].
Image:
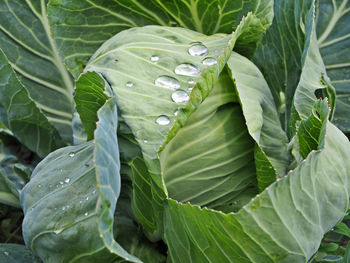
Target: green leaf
[22, 116]
[271, 154]
[333, 39]
[347, 254]
[14, 253]
[310, 135]
[89, 98]
[26, 40]
[312, 78]
[265, 230]
[70, 200]
[71, 19]
[214, 135]
[343, 229]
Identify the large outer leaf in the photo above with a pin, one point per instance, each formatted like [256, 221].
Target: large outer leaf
[21, 114]
[80, 27]
[271, 157]
[334, 41]
[26, 40]
[285, 223]
[210, 161]
[70, 201]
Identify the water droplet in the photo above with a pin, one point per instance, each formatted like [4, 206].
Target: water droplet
[167, 82]
[6, 253]
[71, 154]
[154, 58]
[176, 112]
[94, 192]
[180, 96]
[190, 89]
[67, 180]
[191, 81]
[50, 185]
[209, 61]
[61, 182]
[163, 120]
[63, 208]
[145, 141]
[187, 70]
[80, 202]
[58, 231]
[39, 185]
[86, 214]
[129, 84]
[87, 198]
[198, 49]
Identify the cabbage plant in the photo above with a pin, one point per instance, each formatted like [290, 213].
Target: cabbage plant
[176, 131]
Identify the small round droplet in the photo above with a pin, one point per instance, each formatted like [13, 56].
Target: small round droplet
[145, 141]
[87, 198]
[180, 96]
[61, 182]
[50, 185]
[63, 208]
[167, 82]
[86, 214]
[176, 112]
[6, 253]
[94, 192]
[129, 84]
[209, 61]
[187, 70]
[154, 58]
[71, 154]
[198, 49]
[163, 120]
[67, 180]
[191, 81]
[39, 185]
[190, 89]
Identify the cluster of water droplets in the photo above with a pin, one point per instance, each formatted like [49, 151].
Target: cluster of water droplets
[179, 95]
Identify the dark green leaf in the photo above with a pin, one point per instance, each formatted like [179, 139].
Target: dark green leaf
[26, 40]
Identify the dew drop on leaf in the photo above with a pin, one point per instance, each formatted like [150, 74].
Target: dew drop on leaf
[167, 82]
[129, 84]
[61, 182]
[87, 198]
[71, 154]
[209, 61]
[190, 81]
[180, 96]
[187, 70]
[86, 214]
[67, 180]
[154, 58]
[176, 112]
[198, 49]
[162, 120]
[6, 253]
[145, 141]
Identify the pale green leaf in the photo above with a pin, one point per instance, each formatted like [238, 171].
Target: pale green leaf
[70, 200]
[210, 160]
[271, 154]
[26, 40]
[285, 223]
